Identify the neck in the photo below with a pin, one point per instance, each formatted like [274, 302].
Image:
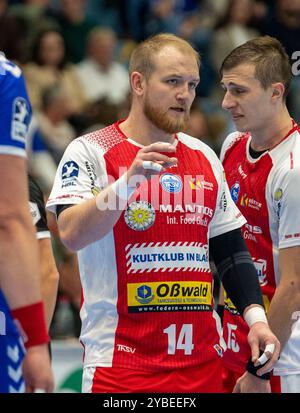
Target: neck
[138, 128]
[274, 131]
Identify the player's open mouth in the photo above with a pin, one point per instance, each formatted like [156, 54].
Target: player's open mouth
[179, 110]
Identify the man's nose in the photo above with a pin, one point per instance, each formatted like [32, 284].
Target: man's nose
[228, 101]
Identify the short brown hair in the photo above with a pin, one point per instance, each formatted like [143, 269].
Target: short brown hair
[141, 59]
[268, 56]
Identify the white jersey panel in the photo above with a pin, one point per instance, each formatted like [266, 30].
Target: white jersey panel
[227, 216]
[80, 175]
[81, 171]
[97, 266]
[283, 201]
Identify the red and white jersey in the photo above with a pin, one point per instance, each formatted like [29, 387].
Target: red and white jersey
[147, 285]
[266, 192]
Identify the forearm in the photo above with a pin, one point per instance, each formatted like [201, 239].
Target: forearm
[284, 305]
[236, 270]
[81, 225]
[49, 278]
[49, 295]
[19, 266]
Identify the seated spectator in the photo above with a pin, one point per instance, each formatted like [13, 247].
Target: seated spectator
[48, 66]
[36, 16]
[233, 30]
[75, 27]
[101, 76]
[51, 122]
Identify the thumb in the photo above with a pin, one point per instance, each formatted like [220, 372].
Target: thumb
[237, 388]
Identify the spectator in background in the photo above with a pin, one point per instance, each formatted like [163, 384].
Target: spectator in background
[12, 34]
[283, 23]
[232, 30]
[35, 16]
[208, 127]
[101, 76]
[48, 67]
[75, 27]
[52, 121]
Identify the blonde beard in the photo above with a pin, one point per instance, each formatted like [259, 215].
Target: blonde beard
[163, 121]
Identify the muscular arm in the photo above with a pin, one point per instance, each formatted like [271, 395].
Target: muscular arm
[19, 267]
[80, 225]
[286, 300]
[49, 278]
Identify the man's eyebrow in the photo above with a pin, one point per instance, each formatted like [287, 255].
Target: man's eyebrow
[231, 84]
[196, 79]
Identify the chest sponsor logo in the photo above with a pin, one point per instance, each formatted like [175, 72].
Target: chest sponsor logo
[20, 119]
[234, 192]
[168, 256]
[251, 231]
[69, 174]
[171, 183]
[169, 296]
[261, 270]
[187, 209]
[140, 215]
[250, 203]
[241, 172]
[197, 184]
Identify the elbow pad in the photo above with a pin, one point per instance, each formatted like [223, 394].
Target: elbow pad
[236, 269]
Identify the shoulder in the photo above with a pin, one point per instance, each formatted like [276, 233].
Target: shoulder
[286, 157]
[103, 139]
[196, 144]
[230, 141]
[11, 77]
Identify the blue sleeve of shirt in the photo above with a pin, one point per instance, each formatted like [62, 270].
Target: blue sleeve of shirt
[15, 109]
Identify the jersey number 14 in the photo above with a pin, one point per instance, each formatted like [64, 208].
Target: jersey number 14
[185, 339]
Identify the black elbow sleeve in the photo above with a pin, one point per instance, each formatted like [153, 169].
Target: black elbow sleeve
[236, 269]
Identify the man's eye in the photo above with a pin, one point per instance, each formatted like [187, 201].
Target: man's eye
[173, 81]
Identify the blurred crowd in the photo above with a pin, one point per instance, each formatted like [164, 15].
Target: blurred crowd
[75, 53]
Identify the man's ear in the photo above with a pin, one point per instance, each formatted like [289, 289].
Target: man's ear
[137, 83]
[278, 90]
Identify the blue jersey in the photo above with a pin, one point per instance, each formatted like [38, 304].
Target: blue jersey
[15, 115]
[11, 352]
[15, 110]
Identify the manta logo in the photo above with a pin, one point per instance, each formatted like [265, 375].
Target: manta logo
[70, 170]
